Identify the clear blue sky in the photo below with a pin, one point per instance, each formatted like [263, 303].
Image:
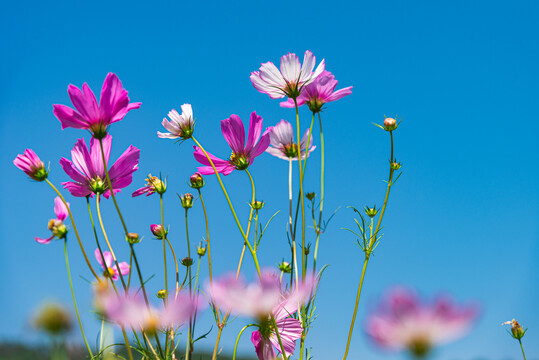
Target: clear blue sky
[462, 219]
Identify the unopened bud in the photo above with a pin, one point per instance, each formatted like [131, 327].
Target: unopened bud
[187, 261]
[197, 181]
[371, 212]
[310, 196]
[161, 294]
[390, 124]
[201, 250]
[187, 201]
[308, 249]
[516, 329]
[395, 165]
[158, 231]
[257, 204]
[285, 267]
[133, 238]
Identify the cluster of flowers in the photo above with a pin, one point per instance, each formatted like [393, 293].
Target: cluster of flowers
[283, 311]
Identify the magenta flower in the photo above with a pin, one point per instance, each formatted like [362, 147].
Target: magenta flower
[113, 106]
[282, 143]
[260, 300]
[56, 226]
[153, 185]
[292, 78]
[180, 126]
[129, 310]
[243, 154]
[110, 270]
[88, 172]
[32, 166]
[319, 92]
[403, 322]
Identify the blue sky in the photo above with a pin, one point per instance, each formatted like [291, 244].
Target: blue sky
[462, 219]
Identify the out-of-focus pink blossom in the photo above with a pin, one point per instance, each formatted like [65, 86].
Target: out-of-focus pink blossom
[319, 92]
[88, 172]
[290, 80]
[260, 300]
[404, 322]
[113, 106]
[31, 164]
[110, 270]
[243, 154]
[283, 145]
[180, 126]
[56, 226]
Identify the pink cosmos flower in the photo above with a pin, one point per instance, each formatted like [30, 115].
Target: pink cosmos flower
[113, 106]
[283, 145]
[129, 310]
[153, 185]
[110, 270]
[243, 154]
[259, 300]
[319, 92]
[180, 126]
[403, 322]
[292, 78]
[88, 172]
[32, 166]
[56, 226]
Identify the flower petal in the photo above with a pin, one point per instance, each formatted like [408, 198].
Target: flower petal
[60, 209]
[69, 117]
[234, 133]
[44, 241]
[255, 129]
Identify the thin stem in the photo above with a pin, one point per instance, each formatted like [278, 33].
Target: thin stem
[108, 243]
[522, 348]
[175, 264]
[238, 339]
[318, 229]
[368, 251]
[127, 346]
[189, 335]
[216, 347]
[164, 243]
[292, 235]
[278, 337]
[207, 235]
[74, 227]
[75, 301]
[301, 194]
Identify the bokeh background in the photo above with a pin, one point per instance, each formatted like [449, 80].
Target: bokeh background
[463, 218]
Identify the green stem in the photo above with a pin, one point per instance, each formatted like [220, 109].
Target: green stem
[279, 337]
[368, 251]
[303, 269]
[318, 228]
[74, 227]
[238, 339]
[522, 348]
[127, 346]
[292, 235]
[164, 243]
[75, 301]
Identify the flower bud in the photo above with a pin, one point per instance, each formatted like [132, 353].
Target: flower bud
[371, 212]
[187, 201]
[285, 267]
[201, 250]
[197, 181]
[395, 165]
[158, 231]
[187, 261]
[310, 196]
[308, 249]
[161, 294]
[32, 166]
[516, 329]
[390, 124]
[133, 238]
[257, 204]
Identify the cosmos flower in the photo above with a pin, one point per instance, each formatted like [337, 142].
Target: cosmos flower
[260, 300]
[110, 270]
[153, 185]
[319, 92]
[180, 126]
[282, 143]
[403, 322]
[243, 154]
[130, 310]
[56, 226]
[113, 106]
[88, 172]
[290, 80]
[32, 166]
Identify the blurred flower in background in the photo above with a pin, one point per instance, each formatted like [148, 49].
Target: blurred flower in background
[404, 322]
[52, 318]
